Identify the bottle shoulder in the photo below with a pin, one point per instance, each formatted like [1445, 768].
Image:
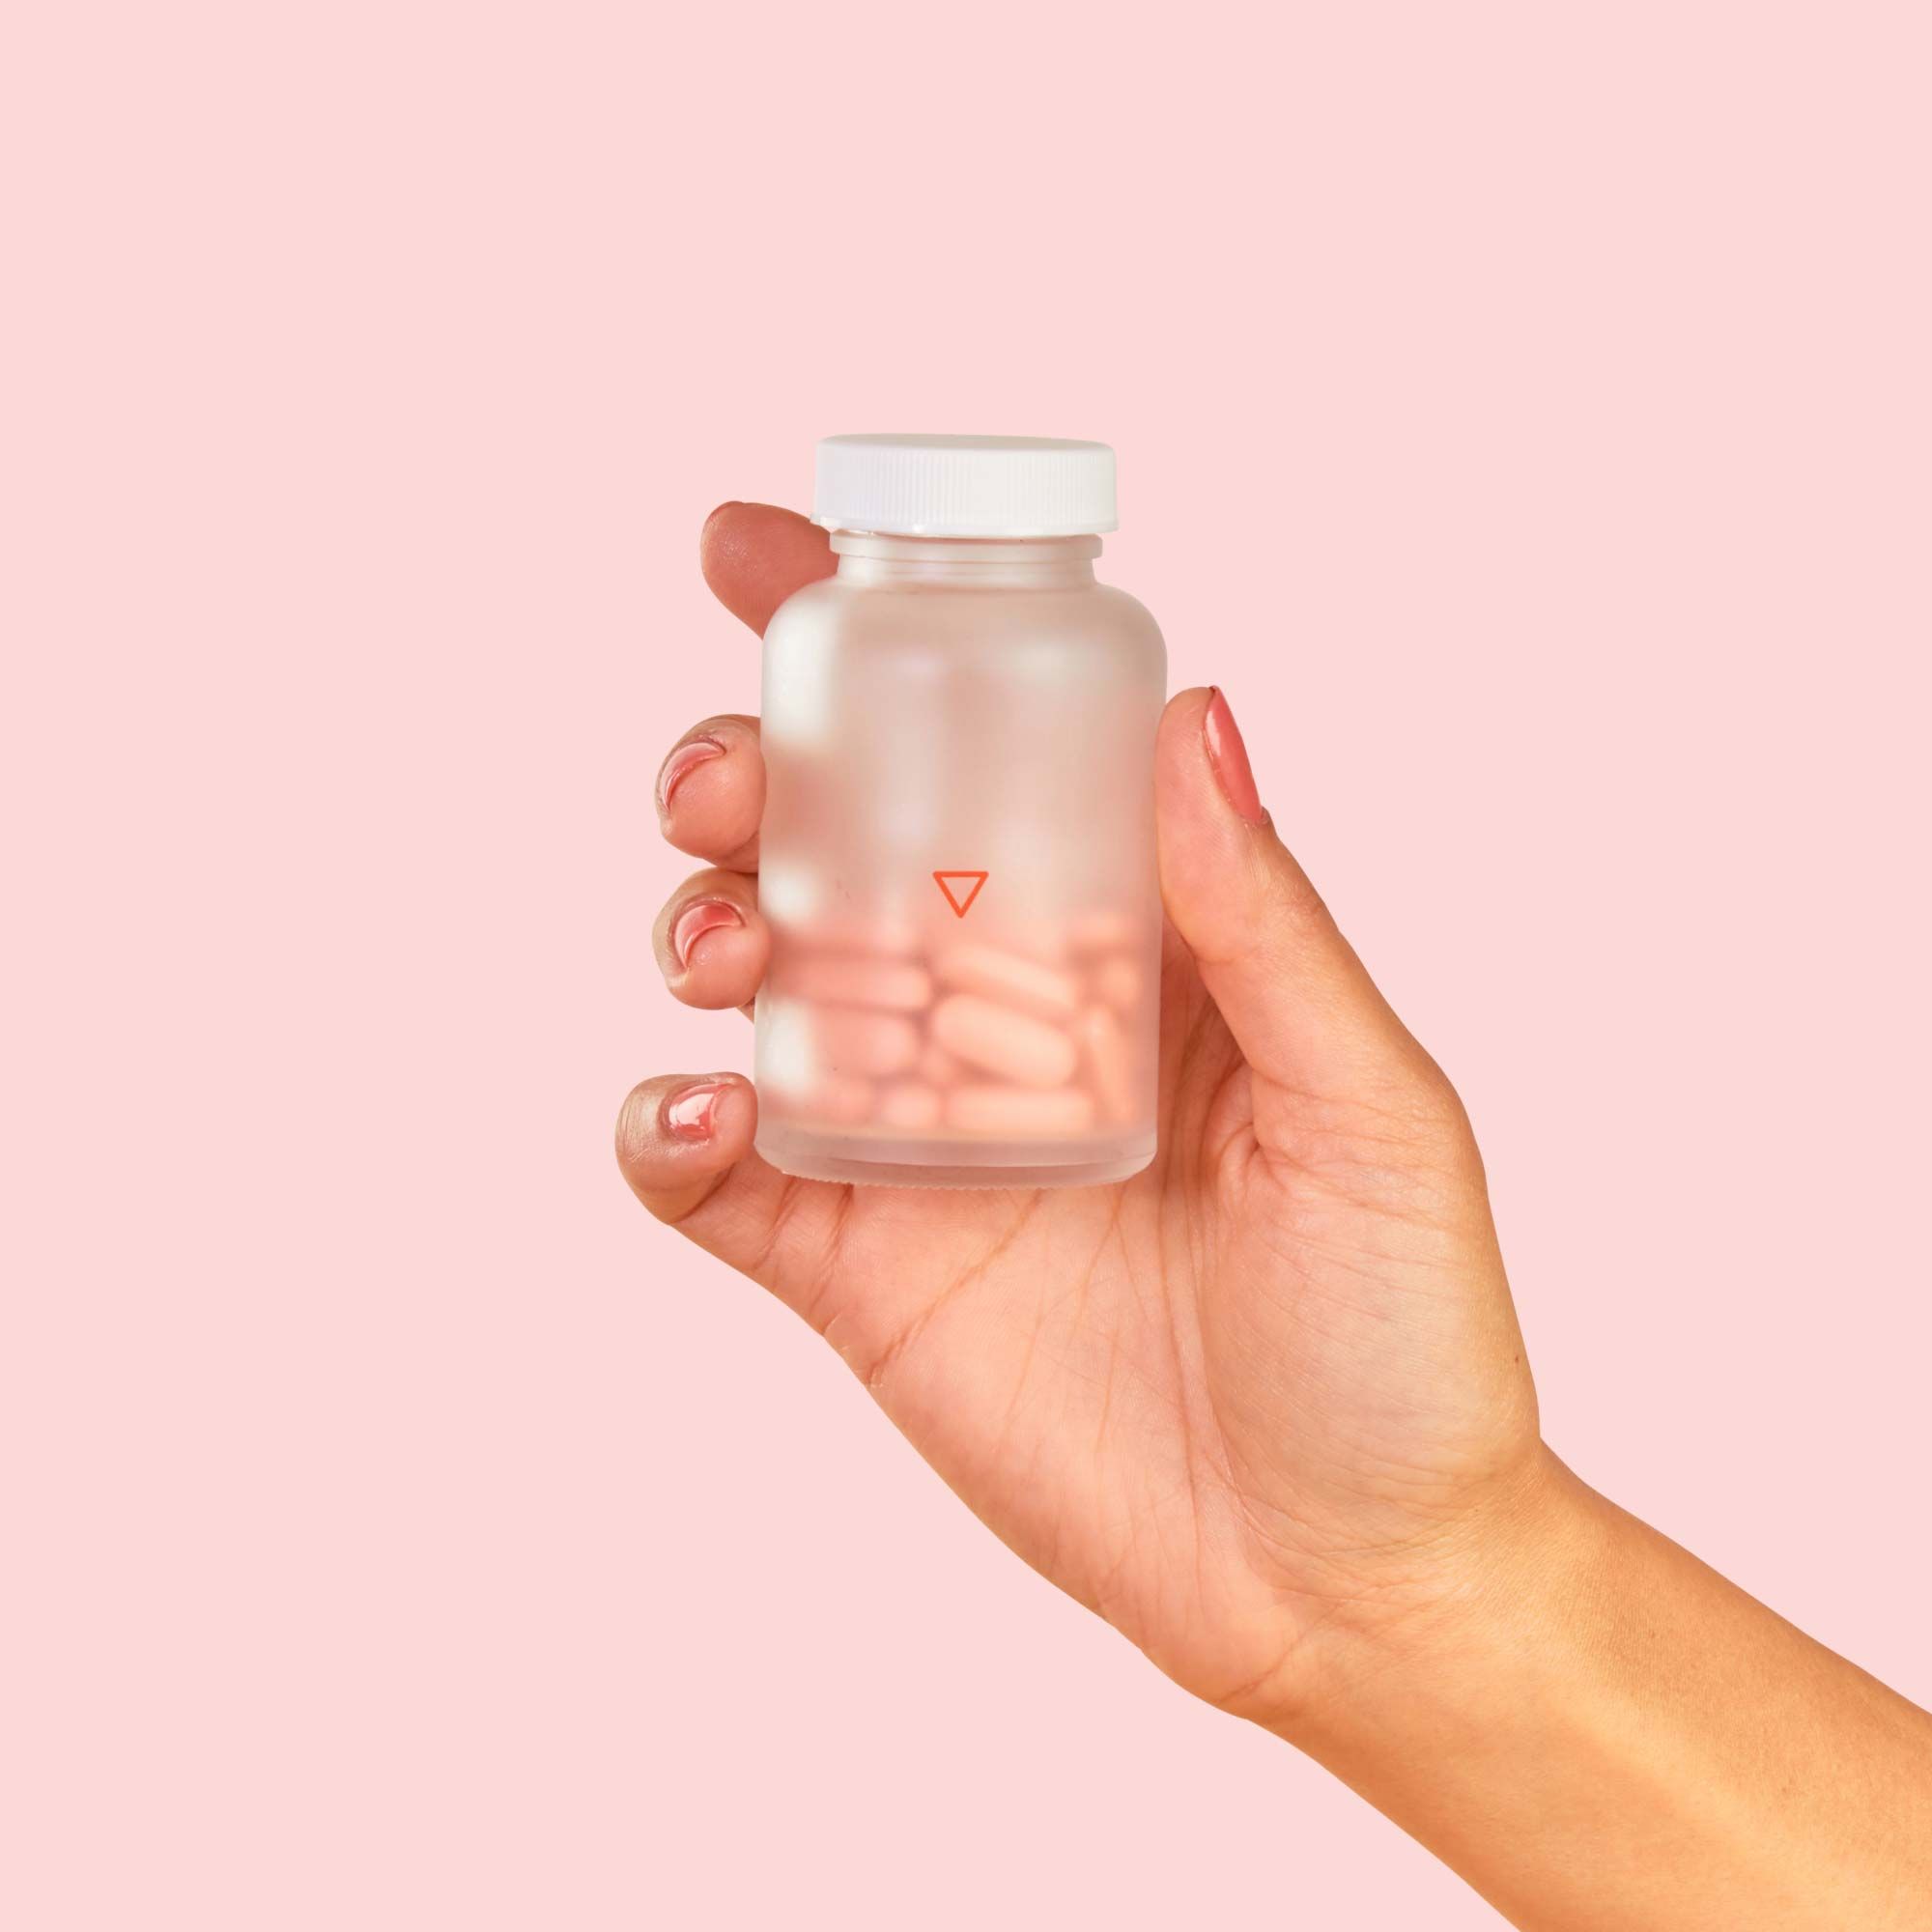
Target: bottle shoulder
[811, 603]
[1129, 615]
[833, 614]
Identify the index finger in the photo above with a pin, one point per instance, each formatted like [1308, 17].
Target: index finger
[754, 555]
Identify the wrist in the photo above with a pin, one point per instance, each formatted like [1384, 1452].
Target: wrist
[1480, 1619]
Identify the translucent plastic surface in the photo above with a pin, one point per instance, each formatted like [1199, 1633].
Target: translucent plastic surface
[958, 863]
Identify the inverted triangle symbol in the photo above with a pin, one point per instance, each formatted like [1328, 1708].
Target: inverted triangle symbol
[952, 884]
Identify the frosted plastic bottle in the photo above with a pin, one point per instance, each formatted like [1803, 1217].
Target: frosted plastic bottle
[958, 852]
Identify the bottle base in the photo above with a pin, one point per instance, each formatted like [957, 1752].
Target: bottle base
[872, 1161]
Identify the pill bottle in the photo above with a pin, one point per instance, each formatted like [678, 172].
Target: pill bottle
[957, 859]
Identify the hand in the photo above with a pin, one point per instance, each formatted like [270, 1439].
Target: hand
[1264, 1406]
[1263, 1400]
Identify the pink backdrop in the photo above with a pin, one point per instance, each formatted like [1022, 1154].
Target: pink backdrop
[1523, 410]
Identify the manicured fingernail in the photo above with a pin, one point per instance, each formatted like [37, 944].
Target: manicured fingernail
[1229, 757]
[691, 1113]
[681, 763]
[698, 918]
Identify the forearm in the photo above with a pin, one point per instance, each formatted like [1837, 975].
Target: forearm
[1608, 1735]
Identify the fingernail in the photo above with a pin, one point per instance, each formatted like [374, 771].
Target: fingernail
[1229, 757]
[681, 763]
[700, 917]
[690, 1113]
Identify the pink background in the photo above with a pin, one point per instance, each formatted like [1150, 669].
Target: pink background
[1523, 410]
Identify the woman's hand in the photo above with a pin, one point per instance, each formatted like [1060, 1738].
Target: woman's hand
[1262, 1403]
[1264, 1406]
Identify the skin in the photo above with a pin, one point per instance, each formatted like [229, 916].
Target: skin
[1265, 1407]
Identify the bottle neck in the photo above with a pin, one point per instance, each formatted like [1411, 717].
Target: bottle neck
[971, 563]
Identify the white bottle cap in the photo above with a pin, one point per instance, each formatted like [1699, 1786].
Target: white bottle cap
[964, 486]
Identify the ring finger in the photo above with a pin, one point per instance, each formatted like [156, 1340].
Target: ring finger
[710, 941]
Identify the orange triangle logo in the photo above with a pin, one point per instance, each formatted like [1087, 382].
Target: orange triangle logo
[950, 884]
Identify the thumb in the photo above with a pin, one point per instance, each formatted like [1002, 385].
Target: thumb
[1299, 1003]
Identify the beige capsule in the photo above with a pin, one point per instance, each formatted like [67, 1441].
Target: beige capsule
[1105, 1055]
[909, 1105]
[867, 1045]
[1118, 982]
[1026, 985]
[1100, 931]
[996, 1040]
[1023, 1111]
[879, 935]
[892, 985]
[833, 1101]
[937, 1066]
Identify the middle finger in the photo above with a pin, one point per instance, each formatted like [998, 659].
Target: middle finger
[711, 792]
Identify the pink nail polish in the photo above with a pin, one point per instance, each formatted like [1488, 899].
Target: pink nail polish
[1229, 757]
[681, 763]
[700, 917]
[690, 1113]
